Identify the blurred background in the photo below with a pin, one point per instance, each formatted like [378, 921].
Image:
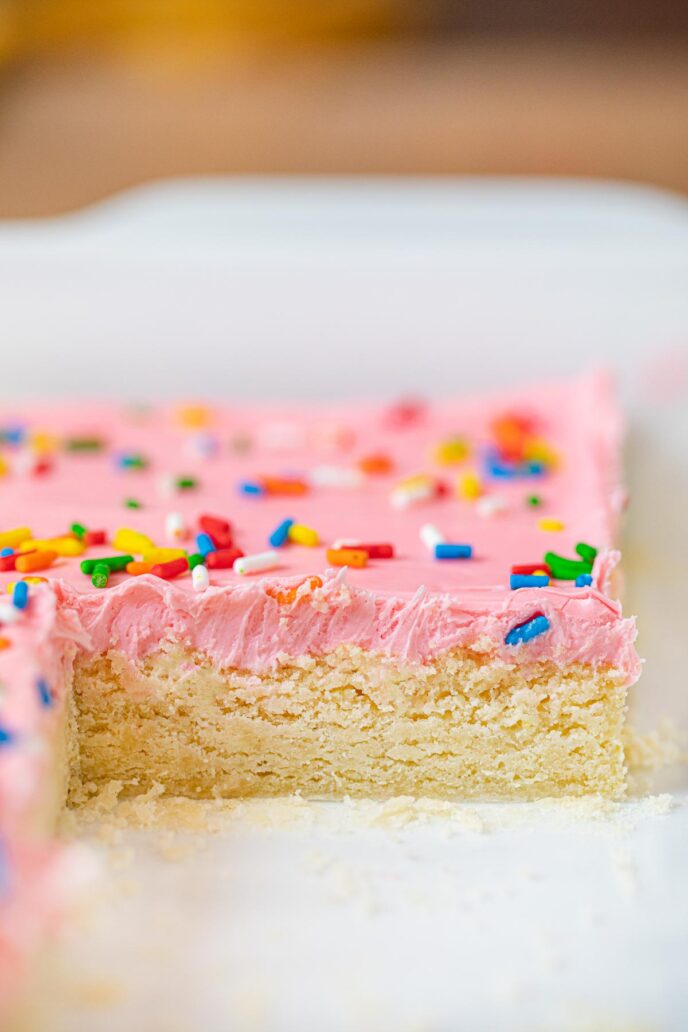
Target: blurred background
[97, 95]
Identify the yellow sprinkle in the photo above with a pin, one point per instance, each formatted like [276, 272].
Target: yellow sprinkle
[163, 555]
[194, 417]
[547, 523]
[4, 468]
[128, 540]
[468, 486]
[538, 450]
[451, 451]
[62, 545]
[28, 580]
[417, 480]
[43, 443]
[301, 535]
[14, 538]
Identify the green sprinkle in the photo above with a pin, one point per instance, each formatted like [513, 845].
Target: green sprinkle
[185, 483]
[534, 500]
[132, 503]
[586, 552]
[133, 462]
[196, 560]
[566, 569]
[84, 444]
[101, 575]
[79, 529]
[110, 562]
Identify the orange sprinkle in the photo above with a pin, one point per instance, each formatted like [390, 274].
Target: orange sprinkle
[376, 464]
[194, 417]
[5, 643]
[137, 568]
[347, 557]
[31, 561]
[287, 596]
[278, 485]
[511, 432]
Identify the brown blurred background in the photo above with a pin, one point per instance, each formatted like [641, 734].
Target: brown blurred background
[97, 95]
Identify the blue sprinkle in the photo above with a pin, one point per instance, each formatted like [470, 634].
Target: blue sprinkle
[495, 467]
[204, 544]
[6, 551]
[250, 488]
[280, 534]
[124, 460]
[583, 580]
[13, 434]
[6, 737]
[500, 468]
[447, 551]
[518, 580]
[528, 630]
[44, 691]
[20, 595]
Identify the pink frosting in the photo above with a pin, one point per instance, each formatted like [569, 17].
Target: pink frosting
[579, 419]
[247, 627]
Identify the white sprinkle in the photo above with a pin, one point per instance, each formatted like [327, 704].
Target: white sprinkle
[202, 444]
[335, 476]
[24, 462]
[431, 536]
[175, 527]
[402, 497]
[490, 505]
[166, 485]
[200, 577]
[9, 613]
[256, 563]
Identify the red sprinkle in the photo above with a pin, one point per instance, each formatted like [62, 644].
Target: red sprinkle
[218, 530]
[94, 537]
[221, 541]
[377, 551]
[528, 569]
[210, 524]
[223, 558]
[405, 412]
[171, 569]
